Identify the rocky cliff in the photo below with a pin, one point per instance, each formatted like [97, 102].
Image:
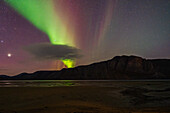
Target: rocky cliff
[120, 67]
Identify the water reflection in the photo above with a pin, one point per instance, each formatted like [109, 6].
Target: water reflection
[69, 83]
[36, 83]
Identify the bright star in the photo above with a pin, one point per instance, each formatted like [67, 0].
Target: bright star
[9, 54]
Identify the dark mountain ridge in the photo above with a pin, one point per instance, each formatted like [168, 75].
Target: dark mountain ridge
[118, 68]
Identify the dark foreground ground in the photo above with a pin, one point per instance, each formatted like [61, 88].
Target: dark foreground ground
[123, 97]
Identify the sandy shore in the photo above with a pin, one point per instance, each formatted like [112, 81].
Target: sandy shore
[74, 99]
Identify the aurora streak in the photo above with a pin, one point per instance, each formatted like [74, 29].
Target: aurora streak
[68, 22]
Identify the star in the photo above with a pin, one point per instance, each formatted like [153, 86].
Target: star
[2, 41]
[9, 54]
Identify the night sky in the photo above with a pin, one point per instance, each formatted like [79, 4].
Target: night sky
[101, 29]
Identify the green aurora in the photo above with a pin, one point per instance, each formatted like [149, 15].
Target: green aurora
[42, 14]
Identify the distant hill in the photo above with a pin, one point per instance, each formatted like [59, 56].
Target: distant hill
[118, 68]
[4, 77]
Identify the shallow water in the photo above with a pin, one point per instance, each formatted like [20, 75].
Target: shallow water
[99, 83]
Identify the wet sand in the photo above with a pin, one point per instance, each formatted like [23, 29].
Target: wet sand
[78, 99]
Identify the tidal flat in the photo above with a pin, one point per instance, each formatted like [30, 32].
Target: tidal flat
[84, 96]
